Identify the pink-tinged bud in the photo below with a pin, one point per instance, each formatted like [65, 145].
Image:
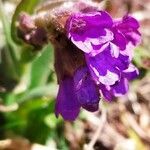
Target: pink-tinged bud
[26, 23]
[30, 33]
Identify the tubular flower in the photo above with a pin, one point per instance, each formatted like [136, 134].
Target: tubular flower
[107, 46]
[93, 52]
[75, 92]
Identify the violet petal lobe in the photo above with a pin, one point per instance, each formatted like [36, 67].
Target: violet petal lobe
[118, 89]
[86, 90]
[122, 62]
[119, 39]
[128, 26]
[106, 91]
[83, 29]
[129, 52]
[129, 22]
[67, 104]
[102, 69]
[131, 72]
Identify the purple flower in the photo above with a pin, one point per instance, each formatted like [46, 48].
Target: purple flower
[107, 45]
[94, 32]
[75, 92]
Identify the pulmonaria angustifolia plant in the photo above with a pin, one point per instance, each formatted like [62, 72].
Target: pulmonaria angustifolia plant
[93, 57]
[107, 46]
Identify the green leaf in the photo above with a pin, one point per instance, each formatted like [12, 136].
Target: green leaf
[51, 120]
[39, 132]
[11, 48]
[24, 6]
[40, 69]
[47, 90]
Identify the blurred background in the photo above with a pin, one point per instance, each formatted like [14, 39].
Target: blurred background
[28, 89]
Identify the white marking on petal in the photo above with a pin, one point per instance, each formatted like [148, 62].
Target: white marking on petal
[131, 68]
[114, 50]
[128, 51]
[95, 70]
[95, 52]
[103, 39]
[94, 41]
[109, 79]
[84, 46]
[109, 34]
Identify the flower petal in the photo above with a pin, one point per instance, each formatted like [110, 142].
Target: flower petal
[119, 40]
[120, 88]
[102, 68]
[106, 92]
[85, 28]
[129, 21]
[131, 72]
[128, 26]
[67, 104]
[109, 79]
[86, 89]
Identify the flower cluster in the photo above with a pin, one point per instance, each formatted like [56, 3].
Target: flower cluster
[107, 45]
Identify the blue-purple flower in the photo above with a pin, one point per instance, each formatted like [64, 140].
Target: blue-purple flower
[107, 46]
[75, 92]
